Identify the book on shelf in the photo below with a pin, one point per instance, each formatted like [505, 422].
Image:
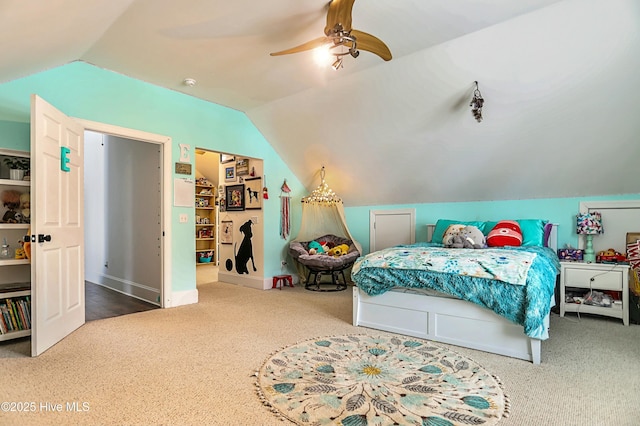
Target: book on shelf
[15, 314]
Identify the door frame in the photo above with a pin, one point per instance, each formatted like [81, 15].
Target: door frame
[166, 145]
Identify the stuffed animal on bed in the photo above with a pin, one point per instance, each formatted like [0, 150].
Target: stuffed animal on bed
[473, 237]
[452, 236]
[461, 236]
[505, 233]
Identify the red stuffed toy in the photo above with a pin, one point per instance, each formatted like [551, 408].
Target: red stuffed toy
[505, 233]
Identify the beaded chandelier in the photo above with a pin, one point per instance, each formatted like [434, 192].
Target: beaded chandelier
[322, 194]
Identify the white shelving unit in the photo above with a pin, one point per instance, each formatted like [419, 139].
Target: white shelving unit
[15, 274]
[205, 232]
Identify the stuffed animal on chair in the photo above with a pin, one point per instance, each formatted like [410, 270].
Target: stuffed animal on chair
[315, 248]
[339, 250]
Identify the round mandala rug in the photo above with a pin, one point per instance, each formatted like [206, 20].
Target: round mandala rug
[360, 380]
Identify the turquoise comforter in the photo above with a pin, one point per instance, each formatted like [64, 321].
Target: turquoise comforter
[527, 304]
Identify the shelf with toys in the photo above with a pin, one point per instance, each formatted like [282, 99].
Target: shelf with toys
[15, 267]
[205, 229]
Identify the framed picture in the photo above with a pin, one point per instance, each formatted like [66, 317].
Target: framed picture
[230, 173]
[242, 167]
[226, 232]
[253, 193]
[235, 197]
[226, 158]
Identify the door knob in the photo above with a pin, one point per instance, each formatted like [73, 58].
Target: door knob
[42, 238]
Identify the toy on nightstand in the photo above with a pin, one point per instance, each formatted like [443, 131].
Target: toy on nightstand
[610, 256]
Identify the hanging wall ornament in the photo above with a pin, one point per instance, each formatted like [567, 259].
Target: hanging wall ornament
[285, 208]
[265, 190]
[476, 104]
[285, 188]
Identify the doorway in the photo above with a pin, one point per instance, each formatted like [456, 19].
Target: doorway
[57, 152]
[123, 225]
[207, 168]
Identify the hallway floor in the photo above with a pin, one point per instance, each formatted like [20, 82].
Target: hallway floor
[101, 302]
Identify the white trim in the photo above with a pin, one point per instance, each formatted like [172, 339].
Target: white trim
[185, 297]
[586, 206]
[165, 142]
[259, 283]
[373, 214]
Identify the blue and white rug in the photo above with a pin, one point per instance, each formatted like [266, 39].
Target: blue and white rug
[360, 380]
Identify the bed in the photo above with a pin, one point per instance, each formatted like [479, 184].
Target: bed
[504, 318]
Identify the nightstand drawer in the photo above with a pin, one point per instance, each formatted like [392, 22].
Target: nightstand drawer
[602, 280]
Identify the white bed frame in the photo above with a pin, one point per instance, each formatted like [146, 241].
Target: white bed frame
[447, 320]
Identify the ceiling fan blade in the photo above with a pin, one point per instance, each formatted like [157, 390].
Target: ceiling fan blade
[339, 13]
[371, 44]
[305, 46]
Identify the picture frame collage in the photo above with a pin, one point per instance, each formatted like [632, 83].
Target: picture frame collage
[242, 191]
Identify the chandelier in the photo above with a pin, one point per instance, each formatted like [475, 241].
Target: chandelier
[322, 194]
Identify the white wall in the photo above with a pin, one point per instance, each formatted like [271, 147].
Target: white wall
[94, 200]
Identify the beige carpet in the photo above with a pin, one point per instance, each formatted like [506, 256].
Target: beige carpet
[194, 365]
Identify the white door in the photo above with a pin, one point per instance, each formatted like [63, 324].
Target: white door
[57, 225]
[388, 228]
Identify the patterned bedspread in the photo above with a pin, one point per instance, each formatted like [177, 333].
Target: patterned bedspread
[504, 265]
[526, 301]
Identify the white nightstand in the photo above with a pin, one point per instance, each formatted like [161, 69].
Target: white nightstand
[596, 276]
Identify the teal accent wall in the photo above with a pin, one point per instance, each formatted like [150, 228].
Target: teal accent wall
[557, 210]
[14, 134]
[84, 91]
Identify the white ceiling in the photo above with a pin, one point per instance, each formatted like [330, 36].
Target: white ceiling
[558, 77]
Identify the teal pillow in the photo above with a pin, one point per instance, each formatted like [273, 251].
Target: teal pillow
[532, 231]
[443, 224]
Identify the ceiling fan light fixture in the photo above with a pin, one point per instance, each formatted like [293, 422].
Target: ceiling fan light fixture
[322, 55]
[338, 32]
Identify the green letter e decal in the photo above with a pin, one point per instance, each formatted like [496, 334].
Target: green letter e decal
[64, 151]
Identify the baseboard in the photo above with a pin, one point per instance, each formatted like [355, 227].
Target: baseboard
[186, 297]
[258, 283]
[130, 288]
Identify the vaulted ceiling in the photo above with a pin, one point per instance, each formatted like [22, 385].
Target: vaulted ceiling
[559, 79]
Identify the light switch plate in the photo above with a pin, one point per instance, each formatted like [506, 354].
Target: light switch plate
[184, 218]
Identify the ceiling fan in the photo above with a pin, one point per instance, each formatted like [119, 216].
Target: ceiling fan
[338, 33]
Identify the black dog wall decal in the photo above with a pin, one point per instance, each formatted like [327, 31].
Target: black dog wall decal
[246, 250]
